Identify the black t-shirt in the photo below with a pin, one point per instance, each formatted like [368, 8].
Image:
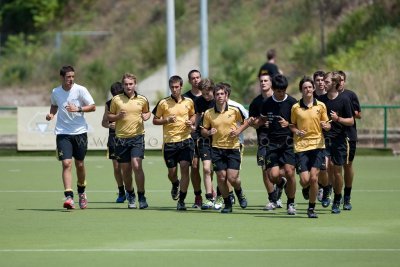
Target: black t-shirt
[189, 94]
[355, 104]
[273, 109]
[342, 106]
[200, 106]
[268, 68]
[255, 111]
[110, 131]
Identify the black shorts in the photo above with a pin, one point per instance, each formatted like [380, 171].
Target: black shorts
[177, 152]
[309, 159]
[279, 154]
[338, 150]
[352, 150]
[261, 152]
[204, 148]
[69, 146]
[128, 148]
[111, 147]
[223, 159]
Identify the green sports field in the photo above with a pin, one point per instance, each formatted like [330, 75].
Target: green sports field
[36, 231]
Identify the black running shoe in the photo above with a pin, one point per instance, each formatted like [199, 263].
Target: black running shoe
[175, 192]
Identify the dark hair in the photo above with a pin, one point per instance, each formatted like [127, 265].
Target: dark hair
[341, 73]
[116, 88]
[175, 79]
[318, 73]
[223, 86]
[65, 69]
[271, 54]
[227, 86]
[304, 80]
[279, 82]
[193, 71]
[206, 84]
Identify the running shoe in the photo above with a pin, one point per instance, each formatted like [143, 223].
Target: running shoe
[131, 201]
[336, 207]
[143, 203]
[279, 190]
[311, 213]
[219, 202]
[82, 200]
[326, 201]
[227, 209]
[175, 192]
[69, 203]
[270, 206]
[121, 198]
[198, 202]
[291, 210]
[279, 203]
[242, 201]
[208, 204]
[180, 206]
[320, 194]
[347, 203]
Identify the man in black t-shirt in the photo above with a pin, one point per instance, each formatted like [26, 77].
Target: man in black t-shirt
[275, 113]
[340, 112]
[352, 135]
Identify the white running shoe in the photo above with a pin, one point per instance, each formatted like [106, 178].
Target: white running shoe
[270, 206]
[291, 209]
[279, 203]
[320, 194]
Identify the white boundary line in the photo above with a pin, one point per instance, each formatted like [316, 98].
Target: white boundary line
[206, 250]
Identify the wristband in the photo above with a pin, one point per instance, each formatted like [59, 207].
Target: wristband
[80, 109]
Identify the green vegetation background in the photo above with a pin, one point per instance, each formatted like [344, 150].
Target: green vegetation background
[361, 37]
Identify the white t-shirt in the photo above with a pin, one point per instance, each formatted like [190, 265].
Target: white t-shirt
[71, 123]
[245, 113]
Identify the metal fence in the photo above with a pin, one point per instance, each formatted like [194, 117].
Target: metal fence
[378, 128]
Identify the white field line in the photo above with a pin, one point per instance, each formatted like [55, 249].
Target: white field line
[167, 190]
[351, 250]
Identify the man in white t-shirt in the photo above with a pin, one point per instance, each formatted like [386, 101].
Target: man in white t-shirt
[70, 101]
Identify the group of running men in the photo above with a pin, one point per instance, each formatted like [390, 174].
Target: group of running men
[314, 136]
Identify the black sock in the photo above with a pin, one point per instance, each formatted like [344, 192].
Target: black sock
[131, 193]
[121, 190]
[238, 192]
[227, 202]
[81, 189]
[271, 196]
[209, 196]
[218, 192]
[347, 191]
[311, 205]
[290, 201]
[176, 183]
[69, 193]
[197, 193]
[337, 198]
[140, 195]
[182, 196]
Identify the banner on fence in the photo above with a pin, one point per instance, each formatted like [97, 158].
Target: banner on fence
[35, 133]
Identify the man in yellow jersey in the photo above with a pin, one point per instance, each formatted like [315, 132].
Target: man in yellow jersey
[309, 118]
[221, 122]
[177, 116]
[129, 111]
